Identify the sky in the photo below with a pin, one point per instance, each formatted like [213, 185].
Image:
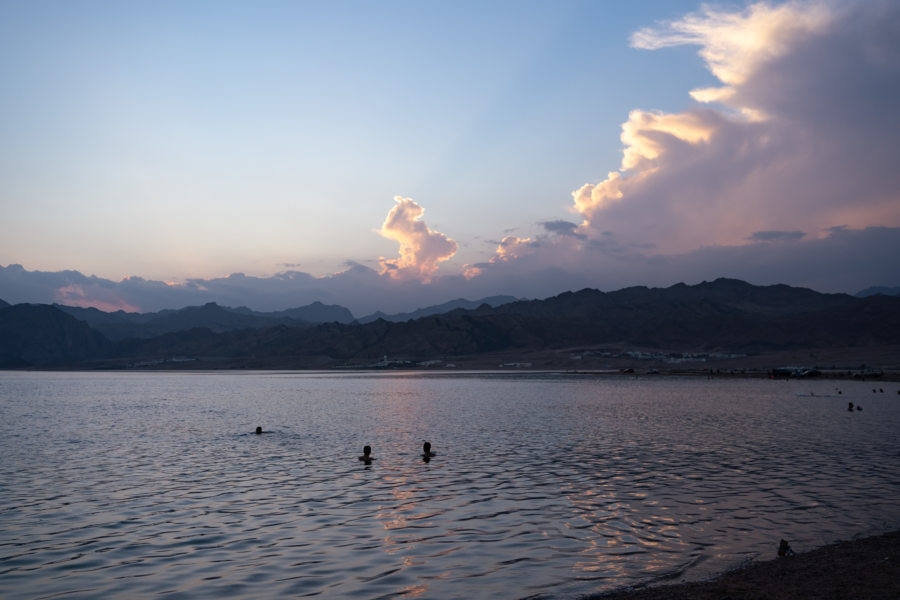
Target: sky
[392, 155]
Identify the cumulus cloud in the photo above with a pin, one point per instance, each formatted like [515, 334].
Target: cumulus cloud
[735, 45]
[802, 135]
[509, 248]
[421, 248]
[784, 173]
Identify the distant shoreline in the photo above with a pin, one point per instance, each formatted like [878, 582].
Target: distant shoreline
[862, 569]
[887, 375]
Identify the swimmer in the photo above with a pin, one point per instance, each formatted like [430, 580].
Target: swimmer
[427, 454]
[367, 455]
[850, 406]
[258, 430]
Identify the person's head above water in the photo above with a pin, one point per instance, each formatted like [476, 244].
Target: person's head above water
[367, 454]
[259, 430]
[426, 451]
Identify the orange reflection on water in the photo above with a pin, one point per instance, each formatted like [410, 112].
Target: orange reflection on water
[413, 591]
[616, 525]
[404, 520]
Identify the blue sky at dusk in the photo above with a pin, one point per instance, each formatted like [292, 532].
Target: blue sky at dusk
[396, 154]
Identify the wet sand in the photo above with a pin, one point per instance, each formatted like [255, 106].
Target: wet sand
[865, 569]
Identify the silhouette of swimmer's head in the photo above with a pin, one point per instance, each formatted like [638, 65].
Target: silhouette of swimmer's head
[258, 430]
[426, 451]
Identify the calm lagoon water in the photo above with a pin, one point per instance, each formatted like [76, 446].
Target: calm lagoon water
[139, 485]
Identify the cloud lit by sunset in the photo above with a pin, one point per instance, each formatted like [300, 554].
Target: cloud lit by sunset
[106, 300]
[421, 248]
[756, 140]
[789, 146]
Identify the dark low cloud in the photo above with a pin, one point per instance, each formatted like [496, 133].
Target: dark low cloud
[840, 260]
[561, 227]
[775, 236]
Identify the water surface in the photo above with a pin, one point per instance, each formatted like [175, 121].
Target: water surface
[154, 484]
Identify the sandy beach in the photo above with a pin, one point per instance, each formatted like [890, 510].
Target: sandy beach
[864, 569]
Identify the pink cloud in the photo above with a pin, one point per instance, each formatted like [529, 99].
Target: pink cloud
[421, 248]
[101, 298]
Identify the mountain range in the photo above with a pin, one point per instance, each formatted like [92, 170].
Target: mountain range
[725, 316]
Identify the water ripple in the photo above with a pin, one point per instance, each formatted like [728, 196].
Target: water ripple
[137, 485]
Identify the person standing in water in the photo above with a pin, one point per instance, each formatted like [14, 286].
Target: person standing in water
[367, 457]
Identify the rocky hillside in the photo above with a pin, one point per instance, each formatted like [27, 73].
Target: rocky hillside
[723, 316]
[41, 335]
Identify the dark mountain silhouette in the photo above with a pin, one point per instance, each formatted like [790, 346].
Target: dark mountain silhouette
[439, 309]
[724, 316]
[3, 304]
[41, 335]
[121, 325]
[720, 316]
[871, 291]
[311, 313]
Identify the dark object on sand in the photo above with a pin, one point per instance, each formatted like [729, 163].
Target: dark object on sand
[867, 569]
[784, 549]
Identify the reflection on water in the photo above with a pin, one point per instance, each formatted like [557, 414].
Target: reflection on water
[135, 485]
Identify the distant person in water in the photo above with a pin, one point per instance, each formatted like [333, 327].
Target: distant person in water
[258, 430]
[367, 455]
[850, 406]
[427, 454]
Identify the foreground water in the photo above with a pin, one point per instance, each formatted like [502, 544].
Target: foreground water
[142, 485]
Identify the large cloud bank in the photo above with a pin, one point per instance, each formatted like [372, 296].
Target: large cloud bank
[802, 135]
[796, 150]
[786, 172]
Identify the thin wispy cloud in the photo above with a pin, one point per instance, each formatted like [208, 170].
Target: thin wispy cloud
[775, 236]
